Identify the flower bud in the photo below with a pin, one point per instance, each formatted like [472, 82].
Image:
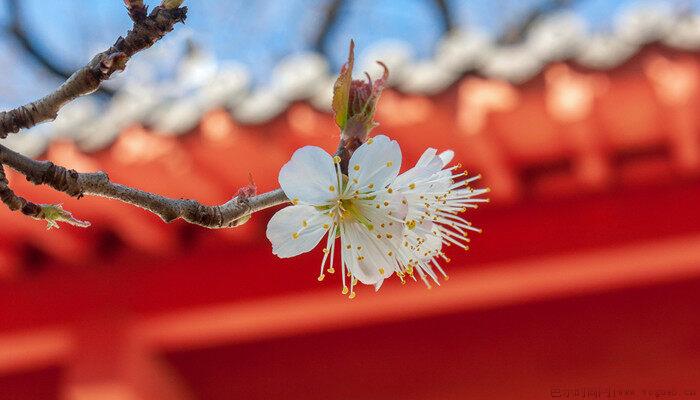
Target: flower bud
[355, 101]
[172, 4]
[133, 4]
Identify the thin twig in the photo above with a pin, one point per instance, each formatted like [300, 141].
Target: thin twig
[145, 32]
[232, 213]
[14, 202]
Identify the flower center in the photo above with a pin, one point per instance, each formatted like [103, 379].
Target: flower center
[349, 209]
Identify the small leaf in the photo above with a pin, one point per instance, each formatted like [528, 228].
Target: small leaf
[172, 4]
[341, 89]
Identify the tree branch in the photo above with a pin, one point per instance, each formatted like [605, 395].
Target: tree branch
[16, 29]
[332, 12]
[517, 31]
[14, 202]
[230, 214]
[146, 31]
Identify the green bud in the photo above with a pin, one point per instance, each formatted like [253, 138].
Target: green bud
[54, 213]
[355, 101]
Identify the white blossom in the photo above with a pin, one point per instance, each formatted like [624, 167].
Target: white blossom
[435, 194]
[387, 223]
[356, 207]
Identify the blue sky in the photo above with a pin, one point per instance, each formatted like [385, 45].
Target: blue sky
[259, 33]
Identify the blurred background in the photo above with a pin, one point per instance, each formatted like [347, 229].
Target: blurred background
[581, 116]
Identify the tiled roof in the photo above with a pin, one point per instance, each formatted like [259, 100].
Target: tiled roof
[176, 106]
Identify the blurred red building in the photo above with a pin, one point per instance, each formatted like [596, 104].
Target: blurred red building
[587, 275]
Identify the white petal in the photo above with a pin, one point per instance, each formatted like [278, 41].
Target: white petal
[432, 244]
[289, 222]
[427, 156]
[447, 156]
[378, 285]
[310, 176]
[367, 267]
[428, 165]
[376, 162]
